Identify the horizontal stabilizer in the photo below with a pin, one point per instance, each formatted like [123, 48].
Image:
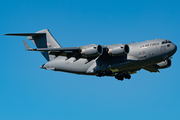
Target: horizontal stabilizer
[41, 39]
[26, 34]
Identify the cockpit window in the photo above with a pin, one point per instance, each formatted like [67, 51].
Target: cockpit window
[169, 41]
[166, 41]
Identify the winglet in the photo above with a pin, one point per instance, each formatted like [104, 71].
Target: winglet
[26, 45]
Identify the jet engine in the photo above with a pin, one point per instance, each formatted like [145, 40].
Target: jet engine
[91, 50]
[118, 50]
[164, 64]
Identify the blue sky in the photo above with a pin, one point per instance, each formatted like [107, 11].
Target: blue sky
[31, 93]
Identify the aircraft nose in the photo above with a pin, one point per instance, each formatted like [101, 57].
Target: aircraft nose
[174, 48]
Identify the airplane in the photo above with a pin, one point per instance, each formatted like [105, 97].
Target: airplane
[118, 60]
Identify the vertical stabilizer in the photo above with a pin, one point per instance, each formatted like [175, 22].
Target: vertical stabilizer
[45, 40]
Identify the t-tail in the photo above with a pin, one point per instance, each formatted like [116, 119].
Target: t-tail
[41, 39]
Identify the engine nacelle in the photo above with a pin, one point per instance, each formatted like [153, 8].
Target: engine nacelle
[118, 50]
[164, 64]
[91, 50]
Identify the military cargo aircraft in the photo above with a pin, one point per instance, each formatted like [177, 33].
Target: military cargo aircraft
[119, 60]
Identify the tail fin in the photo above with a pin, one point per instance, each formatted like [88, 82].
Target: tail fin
[44, 39]
[41, 39]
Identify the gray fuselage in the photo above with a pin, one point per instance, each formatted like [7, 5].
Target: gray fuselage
[141, 54]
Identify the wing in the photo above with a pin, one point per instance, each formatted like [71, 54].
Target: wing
[67, 51]
[151, 69]
[88, 51]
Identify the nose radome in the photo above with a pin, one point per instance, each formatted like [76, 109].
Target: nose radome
[175, 48]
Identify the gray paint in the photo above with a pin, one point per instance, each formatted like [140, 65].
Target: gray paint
[150, 55]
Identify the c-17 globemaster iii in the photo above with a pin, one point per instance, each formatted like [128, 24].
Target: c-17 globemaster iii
[119, 60]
